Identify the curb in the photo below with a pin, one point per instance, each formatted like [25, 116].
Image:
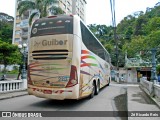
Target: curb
[151, 98]
[13, 94]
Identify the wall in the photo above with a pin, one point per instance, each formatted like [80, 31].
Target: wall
[132, 75]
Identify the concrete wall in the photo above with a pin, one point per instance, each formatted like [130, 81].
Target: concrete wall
[132, 75]
[123, 74]
[152, 89]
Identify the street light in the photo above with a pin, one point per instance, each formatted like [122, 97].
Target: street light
[23, 51]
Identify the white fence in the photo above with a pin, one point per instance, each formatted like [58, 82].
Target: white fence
[157, 91]
[147, 86]
[152, 89]
[12, 85]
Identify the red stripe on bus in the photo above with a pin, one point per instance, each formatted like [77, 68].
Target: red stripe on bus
[85, 52]
[85, 64]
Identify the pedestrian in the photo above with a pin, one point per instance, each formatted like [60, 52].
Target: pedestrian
[19, 74]
[3, 77]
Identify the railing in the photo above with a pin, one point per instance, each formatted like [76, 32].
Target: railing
[152, 89]
[157, 91]
[148, 86]
[12, 85]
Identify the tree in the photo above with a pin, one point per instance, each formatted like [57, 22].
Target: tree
[154, 24]
[9, 54]
[139, 25]
[153, 39]
[6, 27]
[158, 69]
[136, 45]
[42, 8]
[6, 31]
[6, 18]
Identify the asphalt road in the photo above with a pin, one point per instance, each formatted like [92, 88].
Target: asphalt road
[104, 101]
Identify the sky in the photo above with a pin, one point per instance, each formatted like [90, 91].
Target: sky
[97, 11]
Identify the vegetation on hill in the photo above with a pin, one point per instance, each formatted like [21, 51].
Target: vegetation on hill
[137, 32]
[9, 53]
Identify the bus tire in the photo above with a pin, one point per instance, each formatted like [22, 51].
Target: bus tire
[108, 82]
[97, 87]
[93, 91]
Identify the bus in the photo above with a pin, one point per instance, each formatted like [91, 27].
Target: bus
[65, 60]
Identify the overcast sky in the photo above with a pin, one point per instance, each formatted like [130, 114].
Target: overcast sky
[97, 11]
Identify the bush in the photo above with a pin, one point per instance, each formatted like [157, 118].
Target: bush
[13, 72]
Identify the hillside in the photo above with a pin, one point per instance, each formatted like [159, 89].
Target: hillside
[137, 32]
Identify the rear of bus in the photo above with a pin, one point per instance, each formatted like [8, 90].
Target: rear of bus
[54, 59]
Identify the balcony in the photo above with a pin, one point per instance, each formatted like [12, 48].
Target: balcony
[24, 34]
[24, 24]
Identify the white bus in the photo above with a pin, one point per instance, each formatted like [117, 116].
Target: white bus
[65, 60]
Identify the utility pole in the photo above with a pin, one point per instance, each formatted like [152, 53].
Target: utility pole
[112, 4]
[116, 49]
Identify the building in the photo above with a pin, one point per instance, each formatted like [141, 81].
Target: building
[137, 68]
[21, 23]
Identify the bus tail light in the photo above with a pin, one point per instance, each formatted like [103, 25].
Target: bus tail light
[52, 16]
[29, 77]
[73, 77]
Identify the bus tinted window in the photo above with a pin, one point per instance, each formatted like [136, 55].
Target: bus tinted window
[52, 26]
[91, 42]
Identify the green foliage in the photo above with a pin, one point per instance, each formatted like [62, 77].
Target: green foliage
[6, 32]
[136, 45]
[153, 39]
[6, 27]
[13, 72]
[137, 32]
[154, 24]
[41, 7]
[158, 68]
[9, 54]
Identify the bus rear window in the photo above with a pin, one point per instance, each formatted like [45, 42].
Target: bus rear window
[52, 26]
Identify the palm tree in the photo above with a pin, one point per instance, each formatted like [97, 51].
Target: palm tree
[41, 7]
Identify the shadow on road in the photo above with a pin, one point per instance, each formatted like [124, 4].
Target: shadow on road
[59, 104]
[121, 104]
[67, 104]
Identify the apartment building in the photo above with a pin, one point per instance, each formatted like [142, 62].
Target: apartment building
[21, 23]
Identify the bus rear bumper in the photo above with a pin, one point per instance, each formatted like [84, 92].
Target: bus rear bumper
[57, 94]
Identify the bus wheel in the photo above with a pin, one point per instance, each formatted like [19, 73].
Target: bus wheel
[108, 82]
[97, 88]
[93, 91]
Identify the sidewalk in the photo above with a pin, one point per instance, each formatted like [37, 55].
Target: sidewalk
[13, 94]
[139, 101]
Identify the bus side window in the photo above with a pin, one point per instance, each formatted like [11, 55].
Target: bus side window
[101, 54]
[106, 57]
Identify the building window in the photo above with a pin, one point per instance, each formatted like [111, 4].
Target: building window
[17, 17]
[68, 3]
[17, 40]
[17, 32]
[64, 6]
[68, 10]
[17, 24]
